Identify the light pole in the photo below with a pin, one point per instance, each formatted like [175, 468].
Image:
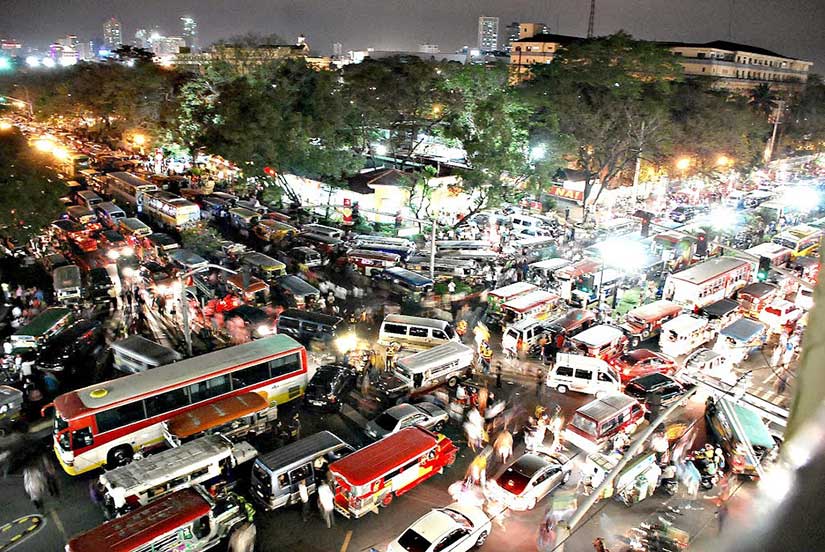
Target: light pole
[187, 330]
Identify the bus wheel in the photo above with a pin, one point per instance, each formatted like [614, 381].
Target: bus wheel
[119, 456]
[386, 500]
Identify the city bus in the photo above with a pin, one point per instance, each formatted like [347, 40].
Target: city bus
[708, 282]
[73, 164]
[104, 424]
[170, 210]
[802, 239]
[128, 189]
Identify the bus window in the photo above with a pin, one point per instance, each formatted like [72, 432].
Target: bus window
[82, 438]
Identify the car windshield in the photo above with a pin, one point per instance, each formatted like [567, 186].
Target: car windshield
[586, 425]
[513, 481]
[413, 542]
[386, 421]
[458, 517]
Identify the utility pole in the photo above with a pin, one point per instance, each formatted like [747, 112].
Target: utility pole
[638, 168]
[590, 23]
[776, 119]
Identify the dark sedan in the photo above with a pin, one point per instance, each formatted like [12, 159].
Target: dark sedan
[330, 385]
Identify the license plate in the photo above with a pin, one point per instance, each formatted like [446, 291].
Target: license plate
[317, 403]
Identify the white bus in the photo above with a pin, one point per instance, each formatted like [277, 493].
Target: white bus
[801, 239]
[415, 332]
[708, 282]
[128, 188]
[143, 481]
[778, 254]
[169, 210]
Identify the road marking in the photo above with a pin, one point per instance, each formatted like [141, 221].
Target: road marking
[56, 519]
[347, 538]
[21, 529]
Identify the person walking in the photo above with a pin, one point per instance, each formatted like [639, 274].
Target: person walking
[34, 482]
[539, 381]
[243, 538]
[303, 492]
[51, 476]
[498, 375]
[326, 503]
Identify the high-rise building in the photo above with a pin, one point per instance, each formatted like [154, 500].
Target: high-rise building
[488, 34]
[429, 49]
[190, 32]
[112, 34]
[142, 39]
[337, 49]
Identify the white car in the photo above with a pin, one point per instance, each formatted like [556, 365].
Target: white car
[425, 415]
[779, 313]
[454, 528]
[529, 479]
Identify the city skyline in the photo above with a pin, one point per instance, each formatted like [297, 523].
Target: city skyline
[790, 29]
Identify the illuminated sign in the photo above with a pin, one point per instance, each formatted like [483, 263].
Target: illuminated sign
[566, 193]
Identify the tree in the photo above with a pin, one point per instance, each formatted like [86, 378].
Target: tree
[202, 238]
[188, 119]
[288, 123]
[133, 54]
[420, 194]
[399, 100]
[608, 98]
[806, 125]
[762, 99]
[30, 194]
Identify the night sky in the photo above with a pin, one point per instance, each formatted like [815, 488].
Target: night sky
[790, 27]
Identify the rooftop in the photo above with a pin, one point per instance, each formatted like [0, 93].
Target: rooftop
[725, 45]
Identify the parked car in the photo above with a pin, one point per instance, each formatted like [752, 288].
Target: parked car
[454, 528]
[73, 343]
[682, 213]
[668, 389]
[396, 418]
[641, 362]
[529, 479]
[99, 283]
[330, 384]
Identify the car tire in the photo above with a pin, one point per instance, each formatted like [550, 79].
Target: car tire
[599, 394]
[119, 456]
[438, 427]
[452, 382]
[635, 342]
[482, 538]
[561, 389]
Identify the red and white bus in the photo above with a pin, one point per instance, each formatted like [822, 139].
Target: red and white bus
[371, 476]
[708, 282]
[104, 424]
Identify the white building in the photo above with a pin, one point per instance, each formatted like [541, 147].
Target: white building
[429, 48]
[112, 33]
[487, 34]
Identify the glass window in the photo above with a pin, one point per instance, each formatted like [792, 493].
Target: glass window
[285, 322]
[210, 388]
[120, 416]
[419, 332]
[285, 365]
[396, 329]
[301, 473]
[584, 374]
[564, 371]
[438, 334]
[166, 402]
[82, 438]
[604, 376]
[250, 375]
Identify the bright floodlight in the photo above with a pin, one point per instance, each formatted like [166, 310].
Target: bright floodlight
[723, 161]
[803, 199]
[5, 63]
[139, 139]
[32, 61]
[48, 62]
[723, 218]
[683, 163]
[67, 61]
[379, 149]
[5, 125]
[538, 152]
[44, 145]
[625, 254]
[60, 152]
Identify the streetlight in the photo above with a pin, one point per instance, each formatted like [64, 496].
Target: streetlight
[624, 253]
[5, 125]
[723, 161]
[538, 152]
[139, 140]
[683, 163]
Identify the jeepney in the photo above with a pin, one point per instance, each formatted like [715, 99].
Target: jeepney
[601, 341]
[366, 261]
[233, 417]
[11, 405]
[646, 321]
[685, 333]
[205, 460]
[135, 354]
[297, 292]
[189, 520]
[538, 304]
[734, 425]
[255, 293]
[41, 329]
[740, 339]
[68, 285]
[753, 298]
[597, 422]
[373, 475]
[497, 297]
[263, 266]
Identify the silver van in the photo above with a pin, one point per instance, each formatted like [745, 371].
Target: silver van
[584, 374]
[276, 476]
[88, 199]
[109, 214]
[415, 332]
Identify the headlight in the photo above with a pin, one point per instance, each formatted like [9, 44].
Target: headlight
[113, 254]
[346, 342]
[263, 329]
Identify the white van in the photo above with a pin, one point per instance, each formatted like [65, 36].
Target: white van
[685, 333]
[446, 363]
[520, 336]
[523, 224]
[326, 232]
[415, 332]
[583, 374]
[88, 199]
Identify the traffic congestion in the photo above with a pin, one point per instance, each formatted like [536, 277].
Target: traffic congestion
[297, 381]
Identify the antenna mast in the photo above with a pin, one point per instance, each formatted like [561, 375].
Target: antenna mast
[592, 18]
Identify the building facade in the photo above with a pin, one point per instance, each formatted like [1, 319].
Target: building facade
[190, 33]
[429, 48]
[112, 33]
[244, 58]
[741, 68]
[488, 34]
[735, 67]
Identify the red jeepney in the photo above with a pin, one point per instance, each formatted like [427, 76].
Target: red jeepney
[369, 477]
[365, 260]
[646, 321]
[753, 298]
